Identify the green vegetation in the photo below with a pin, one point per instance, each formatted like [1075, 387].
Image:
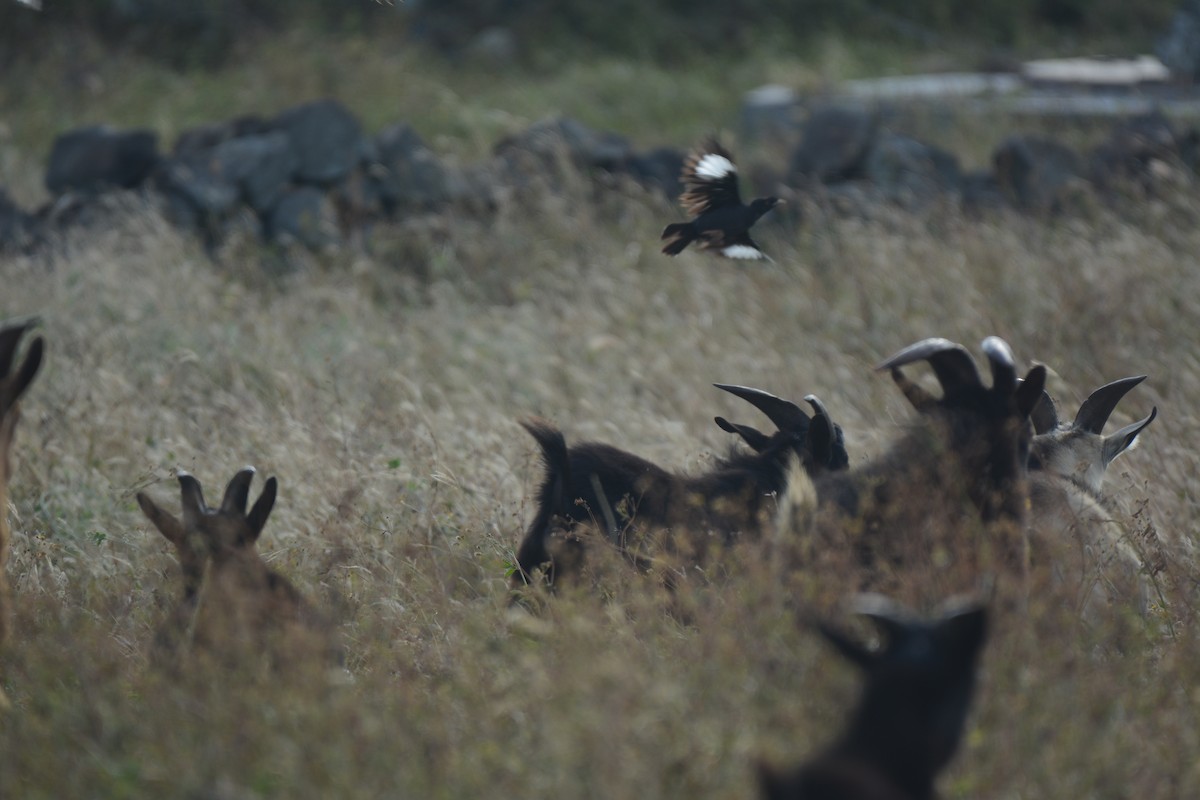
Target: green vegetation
[382, 389]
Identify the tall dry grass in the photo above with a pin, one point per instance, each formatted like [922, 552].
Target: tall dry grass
[383, 390]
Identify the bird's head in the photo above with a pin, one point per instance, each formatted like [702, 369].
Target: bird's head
[764, 204]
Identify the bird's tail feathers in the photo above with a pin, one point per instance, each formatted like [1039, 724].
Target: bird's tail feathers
[677, 235]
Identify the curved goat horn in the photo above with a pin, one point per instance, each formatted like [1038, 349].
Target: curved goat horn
[1004, 368]
[1045, 414]
[786, 415]
[237, 493]
[1095, 411]
[951, 362]
[757, 440]
[818, 407]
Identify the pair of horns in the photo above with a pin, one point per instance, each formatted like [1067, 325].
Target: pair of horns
[786, 415]
[956, 372]
[1094, 413]
[234, 501]
[955, 367]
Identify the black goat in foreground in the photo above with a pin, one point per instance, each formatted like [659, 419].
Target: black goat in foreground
[911, 715]
[618, 492]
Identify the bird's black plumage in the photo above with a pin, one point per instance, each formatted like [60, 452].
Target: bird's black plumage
[721, 221]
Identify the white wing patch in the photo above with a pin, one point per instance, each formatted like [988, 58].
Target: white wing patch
[714, 167]
[743, 251]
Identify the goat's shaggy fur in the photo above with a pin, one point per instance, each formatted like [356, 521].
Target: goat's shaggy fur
[13, 383]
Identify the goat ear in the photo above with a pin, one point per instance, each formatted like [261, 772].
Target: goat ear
[1029, 391]
[191, 495]
[963, 633]
[257, 518]
[1126, 438]
[756, 439]
[237, 493]
[820, 440]
[168, 525]
[786, 415]
[1095, 411]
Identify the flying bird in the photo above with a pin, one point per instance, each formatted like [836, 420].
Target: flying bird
[721, 221]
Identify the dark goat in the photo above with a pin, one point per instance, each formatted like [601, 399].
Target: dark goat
[969, 451]
[600, 485]
[231, 598]
[13, 384]
[911, 715]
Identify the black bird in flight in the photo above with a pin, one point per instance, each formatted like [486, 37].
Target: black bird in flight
[710, 195]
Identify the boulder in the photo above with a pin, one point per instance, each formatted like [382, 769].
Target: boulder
[657, 169]
[191, 182]
[1036, 173]
[542, 144]
[326, 138]
[260, 166]
[99, 157]
[1139, 149]
[833, 146]
[406, 174]
[205, 137]
[910, 172]
[304, 215]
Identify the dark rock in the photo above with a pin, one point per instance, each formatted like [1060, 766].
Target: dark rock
[260, 166]
[304, 215]
[326, 138]
[835, 143]
[1036, 173]
[1179, 46]
[206, 137]
[1139, 149]
[544, 143]
[658, 169]
[910, 172]
[194, 179]
[98, 158]
[407, 175]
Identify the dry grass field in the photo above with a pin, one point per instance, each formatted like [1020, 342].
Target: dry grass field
[383, 391]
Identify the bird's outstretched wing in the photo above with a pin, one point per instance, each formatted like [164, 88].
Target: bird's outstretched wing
[741, 247]
[709, 178]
